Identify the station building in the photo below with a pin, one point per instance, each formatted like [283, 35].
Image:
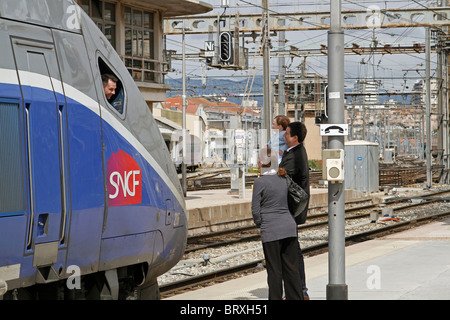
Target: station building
[135, 30]
[211, 120]
[304, 101]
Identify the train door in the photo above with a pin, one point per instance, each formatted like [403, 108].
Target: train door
[46, 135]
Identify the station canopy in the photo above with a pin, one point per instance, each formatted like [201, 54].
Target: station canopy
[173, 8]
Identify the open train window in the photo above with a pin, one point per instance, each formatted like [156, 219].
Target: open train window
[112, 86]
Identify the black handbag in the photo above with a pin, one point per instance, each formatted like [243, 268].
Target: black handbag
[297, 201]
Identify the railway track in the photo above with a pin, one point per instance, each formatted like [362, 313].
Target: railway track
[388, 177]
[251, 233]
[419, 213]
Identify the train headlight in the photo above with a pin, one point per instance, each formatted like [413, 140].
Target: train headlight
[178, 220]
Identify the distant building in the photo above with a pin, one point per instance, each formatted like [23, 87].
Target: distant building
[417, 98]
[304, 92]
[419, 93]
[304, 101]
[366, 93]
[211, 120]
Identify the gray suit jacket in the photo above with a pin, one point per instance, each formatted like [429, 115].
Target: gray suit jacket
[270, 208]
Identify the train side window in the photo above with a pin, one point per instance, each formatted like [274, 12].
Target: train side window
[113, 87]
[11, 164]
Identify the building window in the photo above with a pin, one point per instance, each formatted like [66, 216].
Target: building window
[103, 13]
[140, 44]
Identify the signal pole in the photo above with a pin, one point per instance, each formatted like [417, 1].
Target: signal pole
[266, 71]
[428, 104]
[184, 97]
[336, 288]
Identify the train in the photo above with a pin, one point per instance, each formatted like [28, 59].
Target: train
[91, 206]
[194, 151]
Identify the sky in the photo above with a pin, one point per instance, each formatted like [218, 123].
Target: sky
[397, 72]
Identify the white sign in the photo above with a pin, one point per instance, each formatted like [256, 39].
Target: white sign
[209, 49]
[334, 95]
[334, 129]
[239, 136]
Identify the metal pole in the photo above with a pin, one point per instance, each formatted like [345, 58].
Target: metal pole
[183, 162]
[445, 139]
[336, 288]
[281, 77]
[266, 72]
[428, 103]
[440, 133]
[296, 98]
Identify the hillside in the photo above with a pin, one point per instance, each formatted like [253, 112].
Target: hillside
[230, 88]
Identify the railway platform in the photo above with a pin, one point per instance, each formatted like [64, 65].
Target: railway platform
[213, 210]
[410, 265]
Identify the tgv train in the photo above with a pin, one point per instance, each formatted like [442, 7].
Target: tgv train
[90, 202]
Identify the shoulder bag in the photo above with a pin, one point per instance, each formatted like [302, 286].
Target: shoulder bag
[297, 200]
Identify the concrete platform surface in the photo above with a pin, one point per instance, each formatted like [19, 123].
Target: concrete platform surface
[217, 197]
[411, 265]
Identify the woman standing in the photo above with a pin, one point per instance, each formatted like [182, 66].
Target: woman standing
[278, 228]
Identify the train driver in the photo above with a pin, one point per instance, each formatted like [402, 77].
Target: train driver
[109, 85]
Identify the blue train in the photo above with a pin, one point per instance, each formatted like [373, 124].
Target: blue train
[90, 202]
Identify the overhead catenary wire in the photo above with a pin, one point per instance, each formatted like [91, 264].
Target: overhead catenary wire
[353, 37]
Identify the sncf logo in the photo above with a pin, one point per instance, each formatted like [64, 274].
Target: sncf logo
[124, 180]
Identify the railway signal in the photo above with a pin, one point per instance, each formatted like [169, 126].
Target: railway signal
[226, 47]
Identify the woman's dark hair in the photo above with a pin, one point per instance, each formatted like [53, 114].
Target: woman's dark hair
[282, 172]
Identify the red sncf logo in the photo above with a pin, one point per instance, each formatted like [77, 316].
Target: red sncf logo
[124, 180]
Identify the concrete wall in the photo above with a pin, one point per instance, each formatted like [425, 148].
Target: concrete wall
[226, 216]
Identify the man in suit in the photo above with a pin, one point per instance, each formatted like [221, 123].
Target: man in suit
[295, 162]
